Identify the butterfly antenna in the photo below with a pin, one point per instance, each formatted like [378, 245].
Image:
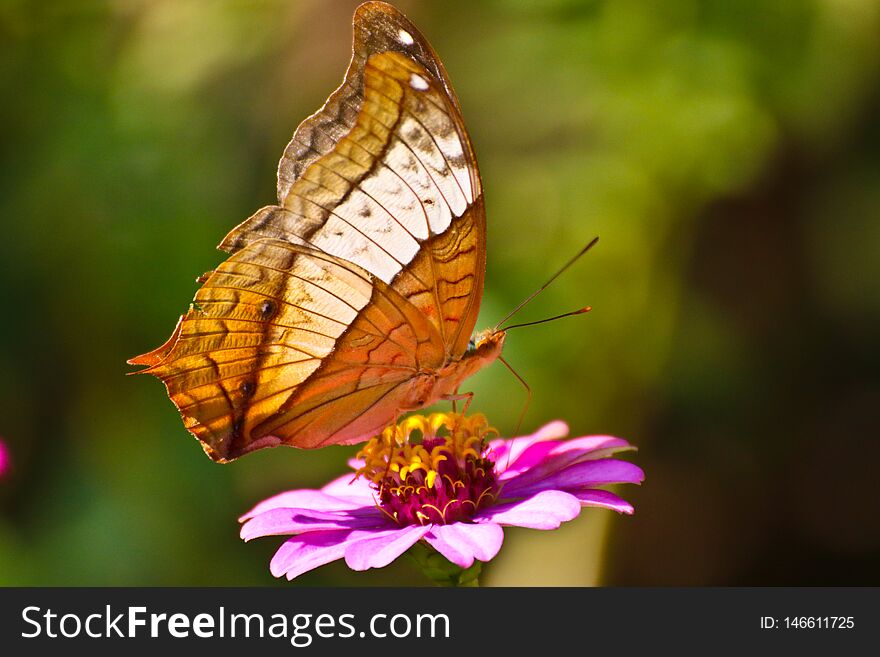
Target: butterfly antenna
[525, 301]
[579, 311]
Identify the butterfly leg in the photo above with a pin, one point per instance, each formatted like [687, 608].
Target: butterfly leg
[466, 396]
[391, 449]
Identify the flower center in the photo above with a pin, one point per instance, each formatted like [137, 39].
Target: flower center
[442, 479]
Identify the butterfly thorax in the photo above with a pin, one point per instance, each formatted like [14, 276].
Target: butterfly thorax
[483, 348]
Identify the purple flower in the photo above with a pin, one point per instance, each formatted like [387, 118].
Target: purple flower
[5, 459]
[455, 490]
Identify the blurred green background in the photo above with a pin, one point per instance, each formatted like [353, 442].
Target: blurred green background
[727, 153]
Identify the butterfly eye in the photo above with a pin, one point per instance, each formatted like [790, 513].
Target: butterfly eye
[472, 346]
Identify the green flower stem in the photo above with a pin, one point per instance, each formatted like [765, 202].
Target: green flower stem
[440, 570]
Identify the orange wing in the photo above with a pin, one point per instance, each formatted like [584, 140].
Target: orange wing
[284, 344]
[365, 276]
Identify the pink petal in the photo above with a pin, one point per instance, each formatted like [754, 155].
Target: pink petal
[383, 547]
[531, 455]
[578, 476]
[546, 510]
[603, 498]
[302, 499]
[542, 459]
[5, 458]
[461, 542]
[276, 522]
[506, 452]
[306, 552]
[586, 444]
[350, 487]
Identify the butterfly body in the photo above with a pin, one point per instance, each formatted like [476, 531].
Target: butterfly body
[354, 298]
[445, 382]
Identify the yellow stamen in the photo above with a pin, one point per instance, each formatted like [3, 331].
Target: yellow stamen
[391, 453]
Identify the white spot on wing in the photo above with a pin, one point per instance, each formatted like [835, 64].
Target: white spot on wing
[339, 238]
[397, 199]
[339, 296]
[431, 213]
[437, 161]
[418, 83]
[405, 37]
[375, 222]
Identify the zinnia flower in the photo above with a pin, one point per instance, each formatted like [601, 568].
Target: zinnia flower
[455, 490]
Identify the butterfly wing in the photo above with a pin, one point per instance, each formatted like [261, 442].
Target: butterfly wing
[285, 344]
[368, 272]
[384, 176]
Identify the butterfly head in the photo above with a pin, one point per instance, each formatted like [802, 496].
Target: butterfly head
[486, 344]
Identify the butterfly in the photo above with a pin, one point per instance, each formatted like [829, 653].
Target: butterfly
[354, 299]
